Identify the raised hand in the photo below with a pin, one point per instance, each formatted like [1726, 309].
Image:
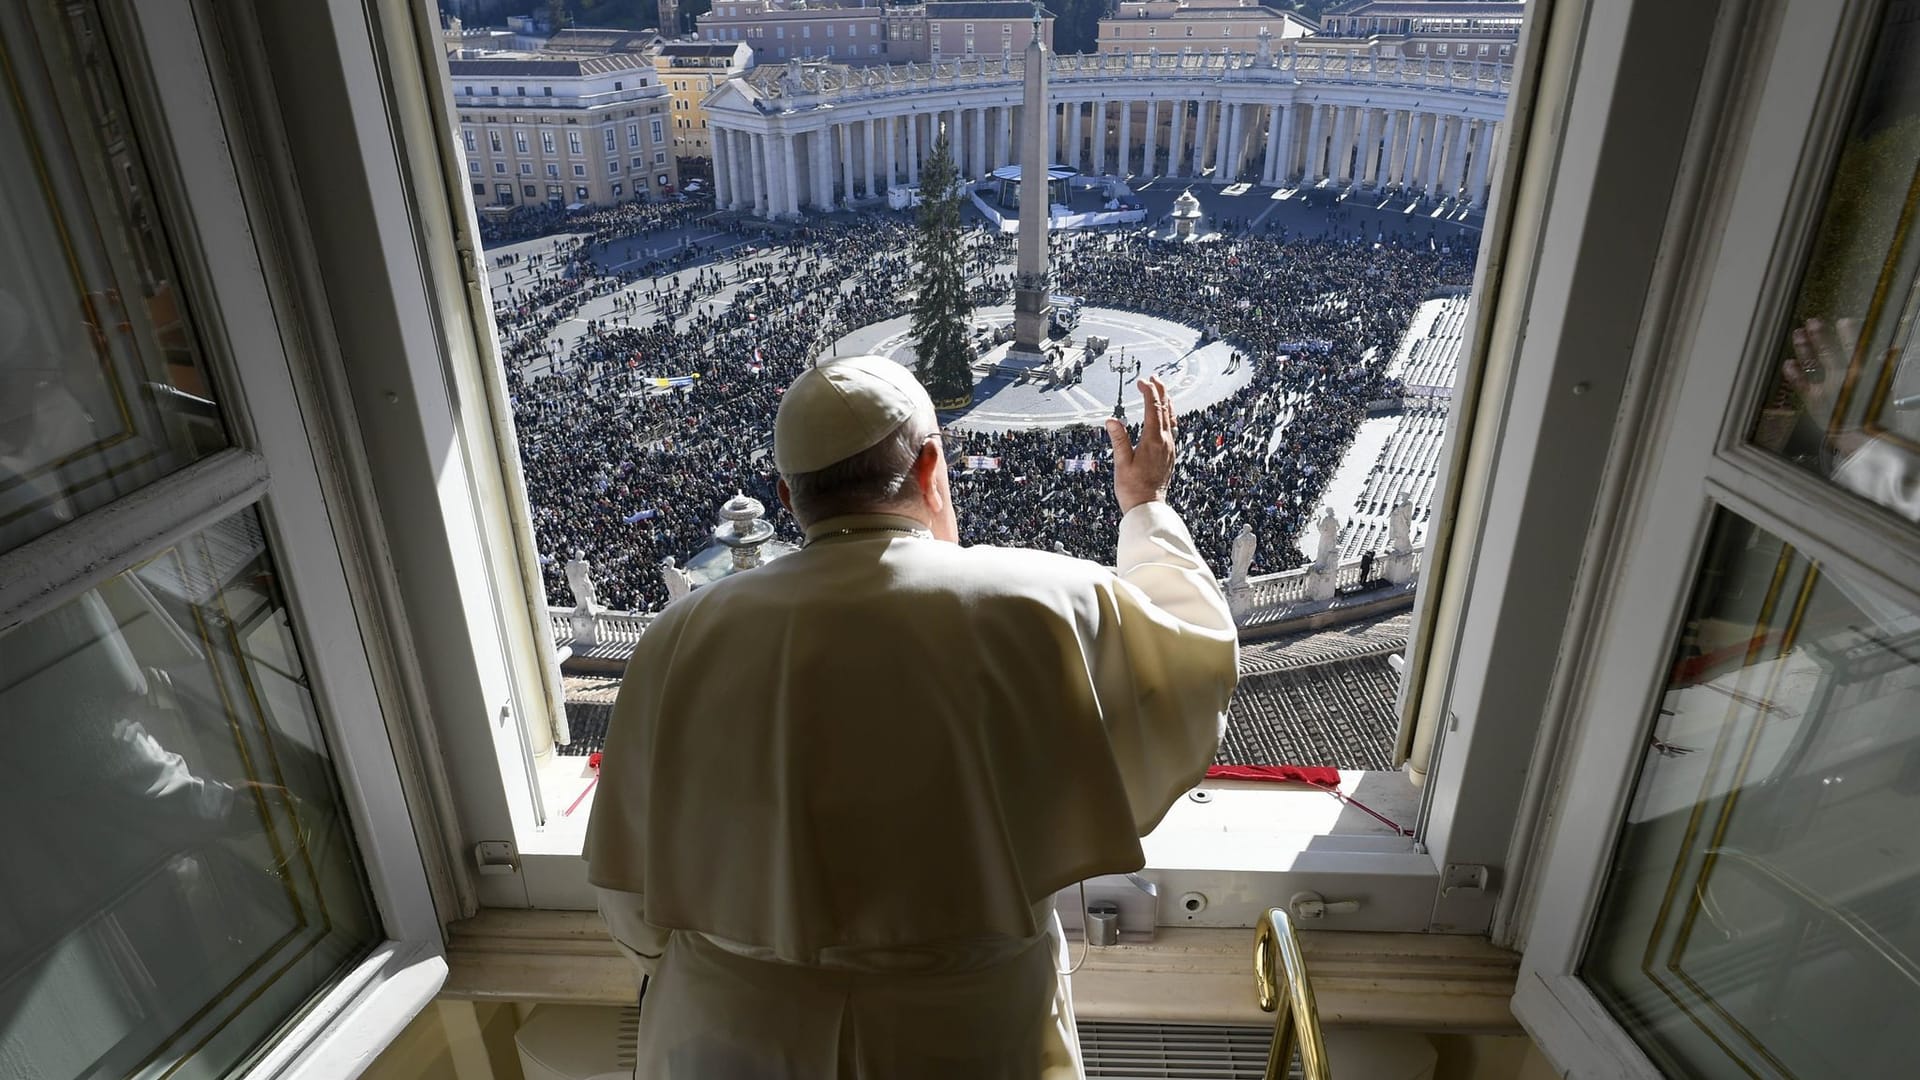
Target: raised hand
[1142, 471]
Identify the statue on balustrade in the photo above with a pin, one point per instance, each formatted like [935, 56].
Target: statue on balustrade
[579, 580]
[677, 581]
[1244, 545]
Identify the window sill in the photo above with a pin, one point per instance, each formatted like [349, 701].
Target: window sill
[349, 1026]
[1419, 982]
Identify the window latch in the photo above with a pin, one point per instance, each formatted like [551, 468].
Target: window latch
[1311, 905]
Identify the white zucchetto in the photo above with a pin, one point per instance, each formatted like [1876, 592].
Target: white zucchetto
[835, 410]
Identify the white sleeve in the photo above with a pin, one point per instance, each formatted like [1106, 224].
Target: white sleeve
[1168, 665]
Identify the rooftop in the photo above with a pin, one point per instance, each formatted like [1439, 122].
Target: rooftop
[722, 50]
[1428, 9]
[530, 65]
[982, 9]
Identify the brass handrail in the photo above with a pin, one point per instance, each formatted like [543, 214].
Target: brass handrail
[1297, 1024]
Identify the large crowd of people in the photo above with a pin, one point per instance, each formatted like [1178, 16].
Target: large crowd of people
[637, 426]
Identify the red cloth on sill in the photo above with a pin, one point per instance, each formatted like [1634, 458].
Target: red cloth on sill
[1317, 775]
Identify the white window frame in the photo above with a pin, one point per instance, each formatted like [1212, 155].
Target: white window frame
[1769, 120]
[288, 464]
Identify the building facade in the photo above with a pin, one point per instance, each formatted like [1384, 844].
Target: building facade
[691, 70]
[989, 28]
[864, 35]
[561, 131]
[814, 136]
[1431, 29]
[1172, 26]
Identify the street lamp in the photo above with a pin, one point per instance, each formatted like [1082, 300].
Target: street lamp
[1118, 363]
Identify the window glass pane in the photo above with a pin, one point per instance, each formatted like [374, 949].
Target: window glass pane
[1844, 400]
[181, 874]
[102, 385]
[1760, 917]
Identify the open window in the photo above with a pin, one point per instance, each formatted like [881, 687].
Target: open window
[1724, 878]
[211, 861]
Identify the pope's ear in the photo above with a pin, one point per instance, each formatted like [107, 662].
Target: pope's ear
[927, 466]
[786, 497]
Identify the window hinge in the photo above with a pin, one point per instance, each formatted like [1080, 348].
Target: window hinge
[1463, 877]
[496, 857]
[1311, 905]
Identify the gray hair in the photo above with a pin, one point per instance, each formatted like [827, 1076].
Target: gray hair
[872, 481]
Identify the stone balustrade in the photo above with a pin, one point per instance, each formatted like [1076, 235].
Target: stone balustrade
[1269, 601]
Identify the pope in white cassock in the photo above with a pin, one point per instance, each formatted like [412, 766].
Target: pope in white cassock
[839, 791]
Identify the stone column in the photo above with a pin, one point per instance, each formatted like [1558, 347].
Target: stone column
[1396, 155]
[1003, 156]
[743, 183]
[1435, 144]
[1416, 151]
[1197, 145]
[762, 204]
[893, 150]
[978, 159]
[1369, 171]
[1076, 155]
[1270, 156]
[1477, 180]
[1223, 122]
[1149, 141]
[1316, 145]
[790, 151]
[868, 173]
[827, 141]
[1456, 176]
[1340, 159]
[722, 188]
[1125, 149]
[1283, 153]
[913, 150]
[1177, 140]
[1099, 148]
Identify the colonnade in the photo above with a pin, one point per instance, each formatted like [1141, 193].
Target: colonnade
[1424, 141]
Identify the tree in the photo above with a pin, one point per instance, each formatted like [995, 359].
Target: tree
[941, 310]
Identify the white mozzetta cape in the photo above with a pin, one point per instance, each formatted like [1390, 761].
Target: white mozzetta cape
[885, 753]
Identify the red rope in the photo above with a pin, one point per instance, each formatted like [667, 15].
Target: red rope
[1317, 776]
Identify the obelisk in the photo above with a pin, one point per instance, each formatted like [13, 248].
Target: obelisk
[1030, 307]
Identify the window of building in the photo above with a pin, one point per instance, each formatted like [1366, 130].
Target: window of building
[493, 141]
[529, 191]
[1440, 49]
[500, 167]
[473, 167]
[573, 143]
[618, 86]
[636, 164]
[526, 168]
[780, 33]
[553, 171]
[520, 90]
[873, 50]
[494, 91]
[829, 52]
[546, 142]
[1189, 31]
[608, 140]
[806, 31]
[633, 137]
[579, 170]
[503, 194]
[470, 91]
[659, 157]
[658, 133]
[1448, 908]
[520, 141]
[580, 194]
[180, 696]
[873, 29]
[613, 167]
[479, 189]
[546, 91]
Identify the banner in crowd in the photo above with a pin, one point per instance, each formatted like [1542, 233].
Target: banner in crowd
[1083, 463]
[981, 461]
[639, 516]
[671, 382]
